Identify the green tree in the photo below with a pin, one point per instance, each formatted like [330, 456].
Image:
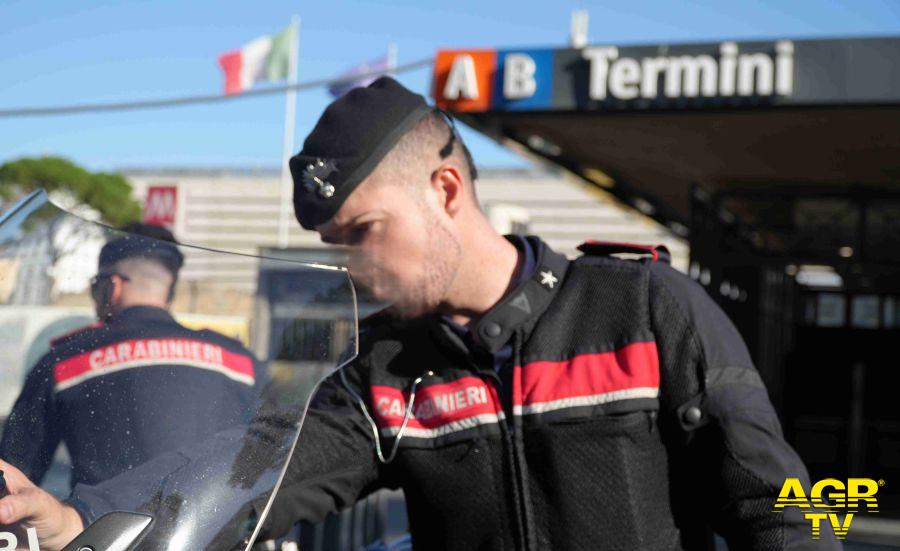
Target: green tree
[109, 194]
[49, 234]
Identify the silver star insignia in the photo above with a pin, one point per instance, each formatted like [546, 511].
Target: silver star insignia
[548, 279]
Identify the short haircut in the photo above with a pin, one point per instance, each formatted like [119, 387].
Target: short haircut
[434, 138]
[151, 278]
[143, 240]
[148, 243]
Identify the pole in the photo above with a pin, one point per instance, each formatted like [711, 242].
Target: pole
[391, 58]
[578, 31]
[290, 109]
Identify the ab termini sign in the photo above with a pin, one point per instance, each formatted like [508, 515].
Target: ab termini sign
[726, 74]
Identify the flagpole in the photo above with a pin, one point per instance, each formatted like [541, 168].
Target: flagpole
[290, 109]
[391, 58]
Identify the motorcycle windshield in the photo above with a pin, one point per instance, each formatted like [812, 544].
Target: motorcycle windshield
[126, 389]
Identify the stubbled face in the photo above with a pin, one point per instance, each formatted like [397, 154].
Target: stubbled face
[402, 245]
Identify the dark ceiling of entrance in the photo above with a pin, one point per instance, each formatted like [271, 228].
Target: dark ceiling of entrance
[659, 156]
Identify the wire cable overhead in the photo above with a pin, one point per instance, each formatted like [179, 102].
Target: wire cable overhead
[193, 100]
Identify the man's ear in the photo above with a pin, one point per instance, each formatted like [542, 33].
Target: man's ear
[450, 186]
[116, 290]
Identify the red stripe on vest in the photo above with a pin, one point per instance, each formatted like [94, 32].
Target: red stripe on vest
[435, 405]
[635, 366]
[173, 351]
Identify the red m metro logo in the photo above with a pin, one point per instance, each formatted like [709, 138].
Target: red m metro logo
[161, 205]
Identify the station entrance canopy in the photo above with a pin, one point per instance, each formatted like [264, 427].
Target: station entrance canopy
[788, 136]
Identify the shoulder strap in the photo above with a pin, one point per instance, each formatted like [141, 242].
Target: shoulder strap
[607, 248]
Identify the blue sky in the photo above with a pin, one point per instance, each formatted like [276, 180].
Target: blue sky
[85, 51]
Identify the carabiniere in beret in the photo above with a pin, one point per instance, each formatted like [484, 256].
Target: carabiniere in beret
[351, 137]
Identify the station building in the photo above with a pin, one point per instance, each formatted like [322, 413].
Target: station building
[779, 162]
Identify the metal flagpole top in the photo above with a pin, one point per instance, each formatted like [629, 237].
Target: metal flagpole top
[578, 33]
[391, 58]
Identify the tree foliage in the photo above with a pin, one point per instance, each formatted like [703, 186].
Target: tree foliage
[109, 194]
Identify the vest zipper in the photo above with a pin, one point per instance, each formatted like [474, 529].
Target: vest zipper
[509, 455]
[512, 432]
[519, 452]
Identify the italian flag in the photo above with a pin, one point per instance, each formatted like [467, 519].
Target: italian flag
[267, 58]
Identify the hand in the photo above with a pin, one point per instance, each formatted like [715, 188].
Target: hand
[28, 506]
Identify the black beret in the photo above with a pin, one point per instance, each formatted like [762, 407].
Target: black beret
[353, 135]
[143, 241]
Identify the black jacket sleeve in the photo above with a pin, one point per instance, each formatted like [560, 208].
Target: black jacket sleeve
[334, 463]
[31, 433]
[729, 452]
